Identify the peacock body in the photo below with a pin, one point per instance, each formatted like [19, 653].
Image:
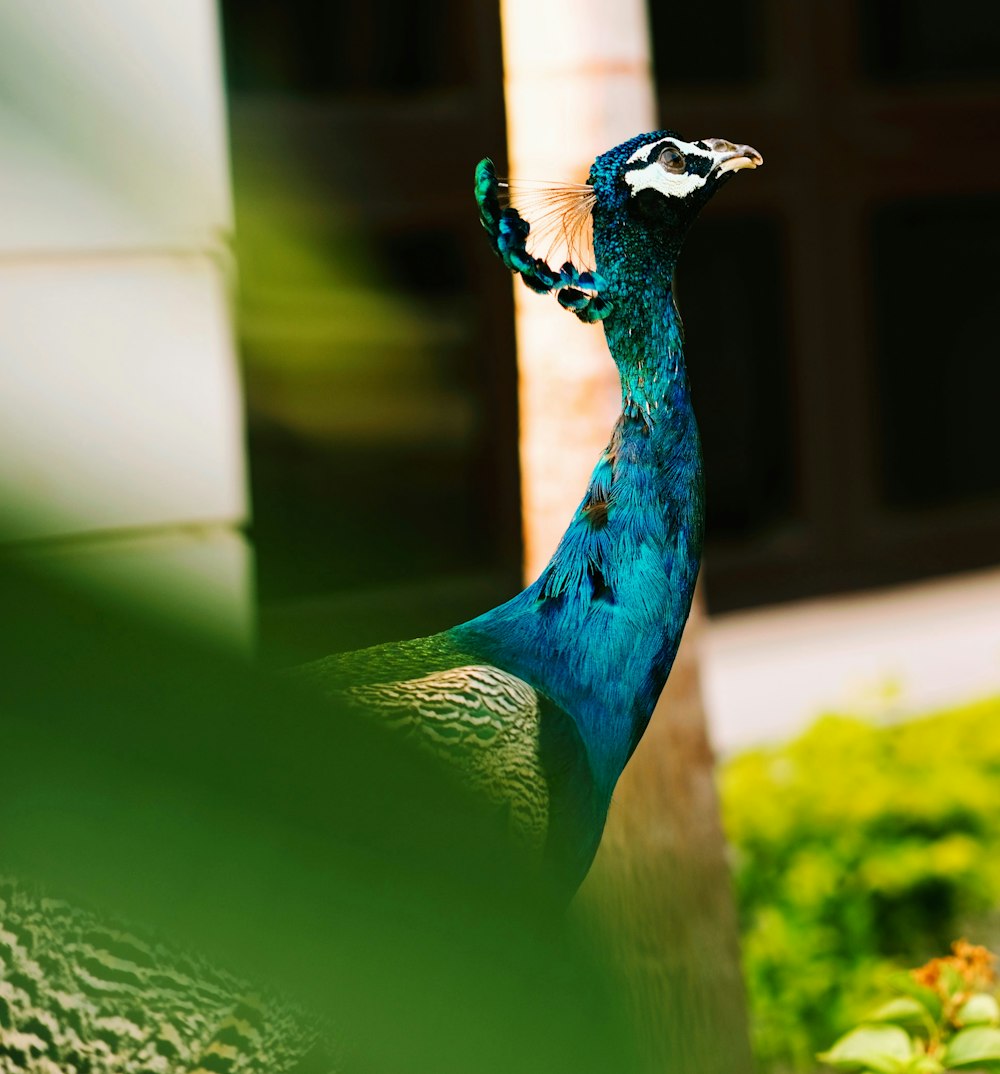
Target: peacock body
[537, 703]
[582, 653]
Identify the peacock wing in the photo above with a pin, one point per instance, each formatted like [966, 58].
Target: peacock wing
[483, 721]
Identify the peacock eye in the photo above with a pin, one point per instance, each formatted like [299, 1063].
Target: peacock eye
[671, 158]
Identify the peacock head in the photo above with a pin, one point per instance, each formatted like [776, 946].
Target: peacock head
[660, 181]
[643, 195]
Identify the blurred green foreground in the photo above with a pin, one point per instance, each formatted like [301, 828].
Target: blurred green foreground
[155, 779]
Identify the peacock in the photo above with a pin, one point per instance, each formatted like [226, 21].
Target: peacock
[536, 705]
[541, 701]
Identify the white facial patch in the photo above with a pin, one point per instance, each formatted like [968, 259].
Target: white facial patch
[670, 184]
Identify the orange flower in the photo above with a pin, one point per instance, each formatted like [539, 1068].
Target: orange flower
[969, 963]
[929, 974]
[974, 963]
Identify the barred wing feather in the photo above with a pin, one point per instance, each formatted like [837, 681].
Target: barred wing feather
[485, 722]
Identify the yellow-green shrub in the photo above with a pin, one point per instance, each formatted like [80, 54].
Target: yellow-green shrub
[859, 850]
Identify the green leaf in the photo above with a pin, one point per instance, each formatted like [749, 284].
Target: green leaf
[952, 980]
[883, 1049]
[903, 1011]
[926, 997]
[925, 1064]
[981, 1009]
[969, 1047]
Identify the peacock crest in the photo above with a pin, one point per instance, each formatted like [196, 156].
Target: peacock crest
[561, 222]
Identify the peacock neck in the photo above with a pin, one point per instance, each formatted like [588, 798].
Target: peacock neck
[645, 337]
[597, 632]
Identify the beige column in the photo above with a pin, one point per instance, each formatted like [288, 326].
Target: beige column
[578, 81]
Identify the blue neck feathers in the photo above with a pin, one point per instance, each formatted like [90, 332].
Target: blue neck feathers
[597, 632]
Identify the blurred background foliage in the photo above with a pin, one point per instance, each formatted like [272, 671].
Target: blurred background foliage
[167, 784]
[859, 850]
[375, 327]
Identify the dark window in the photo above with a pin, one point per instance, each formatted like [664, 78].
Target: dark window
[860, 449]
[936, 289]
[928, 40]
[319, 47]
[705, 44]
[737, 356]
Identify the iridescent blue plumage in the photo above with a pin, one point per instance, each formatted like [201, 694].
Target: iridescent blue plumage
[595, 635]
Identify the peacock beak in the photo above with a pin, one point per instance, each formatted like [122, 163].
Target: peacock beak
[733, 158]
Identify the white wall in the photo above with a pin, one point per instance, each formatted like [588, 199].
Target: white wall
[886, 654]
[121, 441]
